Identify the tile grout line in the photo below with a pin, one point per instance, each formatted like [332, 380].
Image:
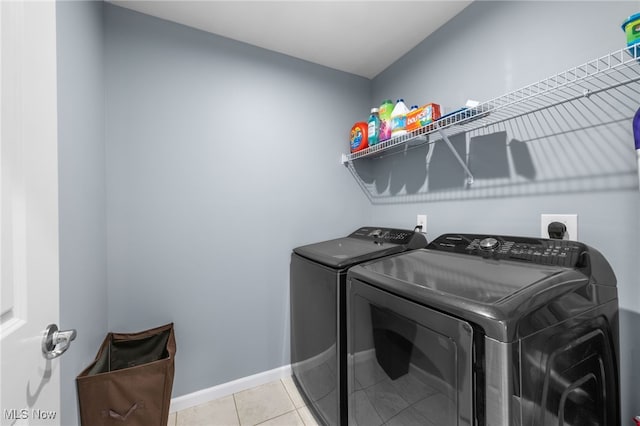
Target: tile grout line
[292, 401]
[300, 415]
[271, 418]
[288, 394]
[235, 404]
[280, 415]
[296, 409]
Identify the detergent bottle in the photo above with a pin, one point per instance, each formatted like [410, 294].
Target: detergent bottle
[399, 119]
[374, 127]
[358, 140]
[385, 120]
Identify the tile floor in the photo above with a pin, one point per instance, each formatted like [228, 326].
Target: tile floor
[277, 403]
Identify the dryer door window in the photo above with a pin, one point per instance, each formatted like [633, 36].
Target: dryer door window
[408, 364]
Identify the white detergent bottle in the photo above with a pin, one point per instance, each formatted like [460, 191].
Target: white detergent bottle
[399, 119]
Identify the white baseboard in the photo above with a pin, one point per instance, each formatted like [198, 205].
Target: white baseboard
[205, 395]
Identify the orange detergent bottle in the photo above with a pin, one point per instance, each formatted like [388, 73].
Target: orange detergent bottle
[359, 140]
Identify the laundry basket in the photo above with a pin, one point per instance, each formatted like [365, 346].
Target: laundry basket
[129, 383]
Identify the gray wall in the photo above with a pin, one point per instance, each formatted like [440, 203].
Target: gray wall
[492, 48]
[221, 157]
[82, 202]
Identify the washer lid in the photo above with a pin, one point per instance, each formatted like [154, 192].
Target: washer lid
[367, 243]
[507, 299]
[473, 279]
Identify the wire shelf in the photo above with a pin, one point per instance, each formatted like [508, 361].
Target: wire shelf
[616, 69]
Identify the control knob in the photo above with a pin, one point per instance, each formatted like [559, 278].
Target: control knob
[488, 243]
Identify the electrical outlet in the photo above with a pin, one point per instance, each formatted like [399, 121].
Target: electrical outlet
[569, 220]
[422, 221]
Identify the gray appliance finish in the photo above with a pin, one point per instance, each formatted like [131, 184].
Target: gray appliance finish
[317, 297]
[484, 330]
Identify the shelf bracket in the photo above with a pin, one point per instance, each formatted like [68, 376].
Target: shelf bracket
[445, 138]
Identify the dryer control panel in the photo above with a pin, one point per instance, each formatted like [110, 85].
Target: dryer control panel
[390, 235]
[541, 251]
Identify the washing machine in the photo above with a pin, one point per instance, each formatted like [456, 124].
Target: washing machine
[317, 297]
[484, 330]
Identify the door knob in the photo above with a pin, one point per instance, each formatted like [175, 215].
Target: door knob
[56, 342]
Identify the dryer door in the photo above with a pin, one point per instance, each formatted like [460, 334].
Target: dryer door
[407, 364]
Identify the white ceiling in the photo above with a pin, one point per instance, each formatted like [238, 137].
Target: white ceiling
[359, 37]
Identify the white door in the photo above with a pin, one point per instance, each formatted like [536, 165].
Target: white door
[30, 384]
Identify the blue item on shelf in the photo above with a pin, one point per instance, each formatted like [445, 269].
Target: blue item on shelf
[636, 129]
[636, 136]
[449, 114]
[464, 113]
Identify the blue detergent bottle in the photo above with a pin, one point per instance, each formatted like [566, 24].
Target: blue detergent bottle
[374, 127]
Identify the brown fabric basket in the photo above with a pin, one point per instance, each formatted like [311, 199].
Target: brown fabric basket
[130, 381]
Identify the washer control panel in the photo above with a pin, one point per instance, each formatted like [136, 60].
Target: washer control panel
[533, 250]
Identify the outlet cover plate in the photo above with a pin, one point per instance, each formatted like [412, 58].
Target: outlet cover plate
[422, 220]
